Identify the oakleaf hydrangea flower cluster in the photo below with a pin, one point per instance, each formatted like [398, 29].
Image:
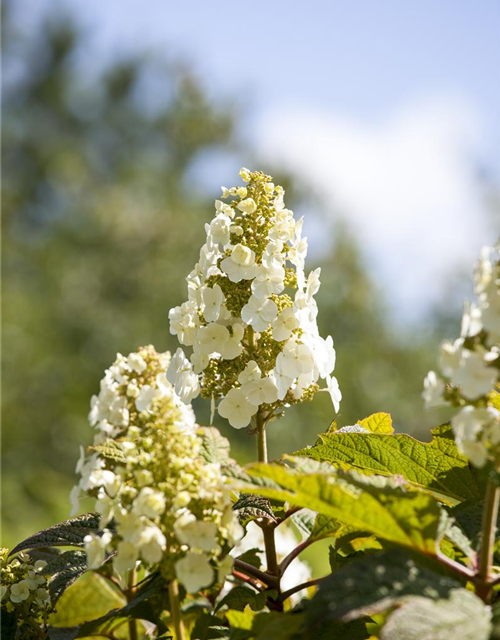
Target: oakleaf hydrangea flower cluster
[24, 591]
[160, 503]
[470, 368]
[250, 317]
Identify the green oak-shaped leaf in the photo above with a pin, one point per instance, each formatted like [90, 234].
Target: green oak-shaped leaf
[371, 585]
[250, 507]
[371, 504]
[69, 533]
[462, 615]
[92, 607]
[436, 467]
[378, 423]
[239, 597]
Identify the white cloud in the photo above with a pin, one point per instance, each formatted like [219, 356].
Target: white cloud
[406, 185]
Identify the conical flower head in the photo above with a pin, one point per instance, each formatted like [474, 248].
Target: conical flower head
[250, 317]
[149, 478]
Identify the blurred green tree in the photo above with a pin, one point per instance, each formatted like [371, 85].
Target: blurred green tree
[100, 227]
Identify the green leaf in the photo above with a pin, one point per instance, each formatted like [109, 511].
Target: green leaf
[344, 551]
[378, 423]
[370, 504]
[214, 447]
[463, 615]
[454, 534]
[239, 597]
[241, 619]
[469, 517]
[140, 607]
[371, 585]
[9, 624]
[251, 557]
[250, 507]
[48, 554]
[436, 467]
[69, 533]
[316, 526]
[111, 450]
[65, 569]
[62, 561]
[265, 625]
[354, 630]
[90, 597]
[304, 520]
[277, 626]
[208, 627]
[325, 527]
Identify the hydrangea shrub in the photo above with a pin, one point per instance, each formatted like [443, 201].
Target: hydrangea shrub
[183, 542]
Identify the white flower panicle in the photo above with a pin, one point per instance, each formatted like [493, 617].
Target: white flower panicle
[251, 306]
[160, 503]
[470, 368]
[24, 589]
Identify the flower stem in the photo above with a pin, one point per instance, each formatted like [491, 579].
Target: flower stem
[261, 437]
[175, 610]
[132, 623]
[485, 562]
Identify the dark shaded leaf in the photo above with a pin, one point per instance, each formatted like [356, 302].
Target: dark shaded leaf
[354, 630]
[209, 627]
[251, 557]
[277, 626]
[68, 533]
[9, 624]
[139, 607]
[239, 597]
[65, 569]
[462, 615]
[48, 554]
[372, 585]
[251, 507]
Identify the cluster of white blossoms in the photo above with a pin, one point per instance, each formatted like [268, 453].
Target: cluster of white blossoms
[470, 368]
[24, 590]
[160, 503]
[250, 317]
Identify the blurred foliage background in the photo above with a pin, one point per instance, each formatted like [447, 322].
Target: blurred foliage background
[101, 224]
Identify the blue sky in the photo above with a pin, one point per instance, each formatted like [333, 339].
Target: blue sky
[390, 109]
[359, 57]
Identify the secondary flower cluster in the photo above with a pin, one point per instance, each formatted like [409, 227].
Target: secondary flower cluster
[470, 367]
[159, 502]
[250, 316]
[24, 591]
